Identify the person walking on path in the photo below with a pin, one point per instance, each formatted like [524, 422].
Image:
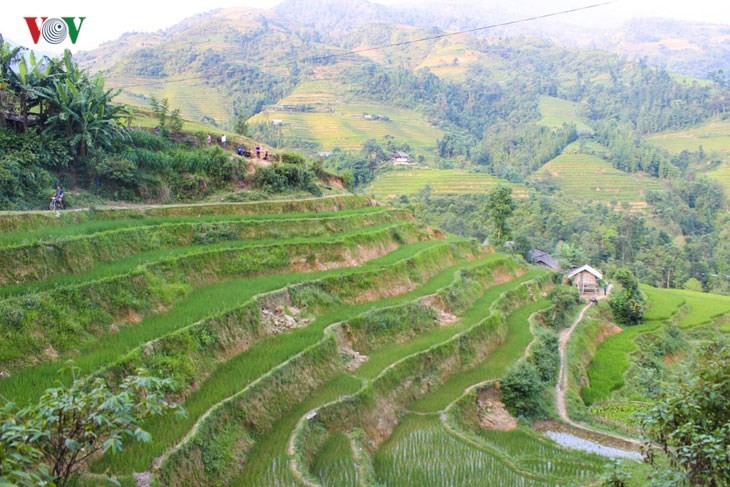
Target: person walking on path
[223, 141]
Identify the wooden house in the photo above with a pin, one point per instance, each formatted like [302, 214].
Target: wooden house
[543, 259]
[400, 158]
[586, 279]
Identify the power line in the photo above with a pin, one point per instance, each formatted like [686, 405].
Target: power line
[388, 46]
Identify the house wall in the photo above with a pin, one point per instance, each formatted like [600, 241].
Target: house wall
[585, 281]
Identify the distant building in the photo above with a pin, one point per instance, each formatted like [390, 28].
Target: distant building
[277, 121]
[542, 258]
[586, 279]
[399, 158]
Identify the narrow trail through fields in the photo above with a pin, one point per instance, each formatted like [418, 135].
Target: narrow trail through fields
[562, 386]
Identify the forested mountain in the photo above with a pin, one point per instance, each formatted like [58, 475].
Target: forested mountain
[359, 80]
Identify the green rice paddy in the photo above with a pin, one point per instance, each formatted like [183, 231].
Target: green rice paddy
[451, 181]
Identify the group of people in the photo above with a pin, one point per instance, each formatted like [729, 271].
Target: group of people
[222, 140]
[241, 151]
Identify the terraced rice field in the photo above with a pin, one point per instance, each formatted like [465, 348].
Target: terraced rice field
[686, 309]
[713, 137]
[264, 313]
[451, 61]
[444, 181]
[587, 177]
[556, 112]
[340, 121]
[194, 98]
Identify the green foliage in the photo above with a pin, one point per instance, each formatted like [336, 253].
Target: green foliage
[690, 421]
[545, 356]
[26, 162]
[628, 302]
[53, 439]
[293, 158]
[564, 299]
[693, 284]
[500, 207]
[286, 177]
[169, 120]
[522, 390]
[80, 111]
[616, 475]
[240, 126]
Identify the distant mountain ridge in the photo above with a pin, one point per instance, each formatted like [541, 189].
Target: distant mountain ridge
[237, 62]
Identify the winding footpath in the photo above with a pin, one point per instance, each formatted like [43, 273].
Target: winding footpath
[562, 386]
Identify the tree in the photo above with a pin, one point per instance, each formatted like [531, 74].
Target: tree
[240, 126]
[52, 440]
[522, 389]
[80, 109]
[564, 299]
[693, 284]
[690, 421]
[169, 120]
[627, 303]
[500, 207]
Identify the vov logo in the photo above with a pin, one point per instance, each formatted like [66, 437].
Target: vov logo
[54, 30]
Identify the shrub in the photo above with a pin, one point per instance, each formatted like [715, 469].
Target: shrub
[286, 177]
[545, 356]
[292, 158]
[564, 298]
[522, 390]
[25, 182]
[627, 303]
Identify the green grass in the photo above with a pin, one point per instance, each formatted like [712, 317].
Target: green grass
[713, 136]
[91, 227]
[271, 458]
[538, 455]
[421, 453]
[155, 257]
[609, 365]
[267, 462]
[380, 359]
[556, 112]
[588, 177]
[395, 183]
[703, 307]
[619, 413]
[662, 305]
[80, 253]
[722, 175]
[241, 370]
[334, 464]
[514, 345]
[28, 383]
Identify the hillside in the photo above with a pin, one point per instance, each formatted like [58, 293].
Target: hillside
[711, 139]
[331, 304]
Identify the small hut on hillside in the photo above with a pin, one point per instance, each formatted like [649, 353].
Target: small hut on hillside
[400, 158]
[586, 279]
[544, 259]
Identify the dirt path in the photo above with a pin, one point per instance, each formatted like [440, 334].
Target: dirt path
[562, 386]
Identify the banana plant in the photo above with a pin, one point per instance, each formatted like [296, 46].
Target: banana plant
[80, 110]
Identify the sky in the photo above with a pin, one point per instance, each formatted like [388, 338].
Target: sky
[103, 23]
